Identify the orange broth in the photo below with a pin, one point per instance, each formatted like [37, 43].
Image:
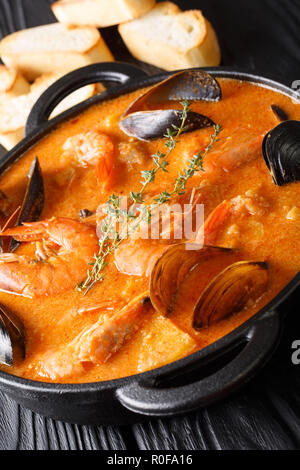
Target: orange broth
[267, 229]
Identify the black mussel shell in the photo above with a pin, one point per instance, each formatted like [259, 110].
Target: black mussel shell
[34, 199]
[3, 198]
[230, 292]
[193, 85]
[12, 335]
[189, 85]
[85, 213]
[281, 151]
[10, 222]
[150, 125]
[279, 113]
[172, 271]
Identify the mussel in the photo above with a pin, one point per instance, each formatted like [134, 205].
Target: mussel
[187, 85]
[230, 291]
[174, 269]
[143, 124]
[12, 337]
[33, 202]
[11, 222]
[85, 213]
[4, 204]
[279, 113]
[150, 125]
[281, 151]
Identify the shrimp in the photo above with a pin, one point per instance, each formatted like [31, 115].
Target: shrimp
[93, 148]
[138, 257]
[137, 254]
[69, 247]
[97, 343]
[214, 223]
[238, 146]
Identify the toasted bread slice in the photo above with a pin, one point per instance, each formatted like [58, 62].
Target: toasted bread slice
[100, 13]
[14, 112]
[44, 81]
[53, 48]
[10, 139]
[12, 83]
[172, 39]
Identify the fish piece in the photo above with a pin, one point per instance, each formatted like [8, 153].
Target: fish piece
[162, 342]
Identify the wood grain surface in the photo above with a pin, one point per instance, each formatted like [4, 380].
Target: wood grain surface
[262, 36]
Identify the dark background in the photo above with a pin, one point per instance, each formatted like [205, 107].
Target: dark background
[261, 36]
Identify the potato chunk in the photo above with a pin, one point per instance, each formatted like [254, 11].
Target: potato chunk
[162, 342]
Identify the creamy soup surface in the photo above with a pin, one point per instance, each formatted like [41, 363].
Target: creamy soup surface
[264, 226]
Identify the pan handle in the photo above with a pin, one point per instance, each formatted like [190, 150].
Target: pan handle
[116, 72]
[152, 400]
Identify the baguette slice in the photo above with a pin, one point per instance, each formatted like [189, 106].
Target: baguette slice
[53, 48]
[100, 13]
[10, 139]
[172, 39]
[12, 83]
[14, 112]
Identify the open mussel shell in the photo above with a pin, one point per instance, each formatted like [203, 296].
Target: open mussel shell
[4, 204]
[11, 222]
[150, 125]
[173, 268]
[281, 151]
[279, 113]
[192, 85]
[12, 336]
[33, 200]
[230, 292]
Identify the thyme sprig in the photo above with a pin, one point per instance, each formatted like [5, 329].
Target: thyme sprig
[195, 164]
[109, 242]
[160, 159]
[112, 238]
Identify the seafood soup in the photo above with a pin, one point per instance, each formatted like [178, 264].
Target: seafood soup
[84, 299]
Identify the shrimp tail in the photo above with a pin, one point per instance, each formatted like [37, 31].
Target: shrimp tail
[28, 232]
[9, 258]
[214, 223]
[98, 343]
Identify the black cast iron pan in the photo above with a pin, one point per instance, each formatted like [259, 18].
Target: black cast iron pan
[197, 380]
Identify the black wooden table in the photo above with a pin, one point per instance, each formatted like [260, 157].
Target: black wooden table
[262, 36]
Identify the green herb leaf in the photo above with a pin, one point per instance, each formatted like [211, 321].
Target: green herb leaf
[112, 239]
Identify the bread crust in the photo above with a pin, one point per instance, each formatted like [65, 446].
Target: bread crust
[14, 111]
[204, 51]
[100, 13]
[11, 83]
[33, 63]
